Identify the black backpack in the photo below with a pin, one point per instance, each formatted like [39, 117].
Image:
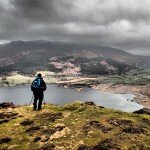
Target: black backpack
[36, 84]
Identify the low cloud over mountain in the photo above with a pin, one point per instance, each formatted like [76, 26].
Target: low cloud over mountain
[122, 24]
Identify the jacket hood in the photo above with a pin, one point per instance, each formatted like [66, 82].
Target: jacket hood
[39, 77]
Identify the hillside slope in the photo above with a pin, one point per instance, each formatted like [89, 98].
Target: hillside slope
[74, 126]
[28, 56]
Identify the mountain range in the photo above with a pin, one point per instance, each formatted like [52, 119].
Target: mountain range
[66, 58]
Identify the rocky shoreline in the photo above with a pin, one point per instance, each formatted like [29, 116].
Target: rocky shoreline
[142, 93]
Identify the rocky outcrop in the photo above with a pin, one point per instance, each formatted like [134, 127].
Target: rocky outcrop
[133, 130]
[5, 140]
[32, 129]
[49, 116]
[7, 105]
[26, 122]
[143, 111]
[90, 103]
[107, 144]
[7, 116]
[98, 125]
[47, 146]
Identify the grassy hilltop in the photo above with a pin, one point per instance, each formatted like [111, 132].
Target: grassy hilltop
[74, 126]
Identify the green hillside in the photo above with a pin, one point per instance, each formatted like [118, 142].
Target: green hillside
[74, 126]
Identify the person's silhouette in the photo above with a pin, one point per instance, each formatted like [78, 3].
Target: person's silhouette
[38, 86]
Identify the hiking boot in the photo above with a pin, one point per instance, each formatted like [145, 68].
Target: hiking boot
[39, 108]
[39, 105]
[34, 106]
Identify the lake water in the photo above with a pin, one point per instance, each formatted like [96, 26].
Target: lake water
[21, 95]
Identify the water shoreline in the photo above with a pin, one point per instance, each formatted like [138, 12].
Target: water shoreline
[141, 92]
[60, 95]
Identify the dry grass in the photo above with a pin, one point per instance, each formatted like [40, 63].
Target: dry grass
[74, 125]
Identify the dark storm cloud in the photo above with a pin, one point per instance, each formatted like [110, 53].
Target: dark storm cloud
[122, 24]
[34, 10]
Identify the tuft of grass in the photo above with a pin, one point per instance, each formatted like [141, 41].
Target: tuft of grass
[70, 126]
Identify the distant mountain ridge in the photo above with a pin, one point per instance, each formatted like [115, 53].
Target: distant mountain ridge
[28, 56]
[60, 48]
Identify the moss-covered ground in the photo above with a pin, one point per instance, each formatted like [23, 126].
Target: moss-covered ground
[74, 126]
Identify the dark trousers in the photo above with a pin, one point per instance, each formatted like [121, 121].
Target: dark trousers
[38, 95]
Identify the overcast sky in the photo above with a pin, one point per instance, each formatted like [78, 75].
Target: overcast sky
[123, 24]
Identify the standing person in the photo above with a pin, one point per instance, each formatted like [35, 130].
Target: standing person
[38, 87]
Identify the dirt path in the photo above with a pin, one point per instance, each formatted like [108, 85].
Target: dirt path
[76, 80]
